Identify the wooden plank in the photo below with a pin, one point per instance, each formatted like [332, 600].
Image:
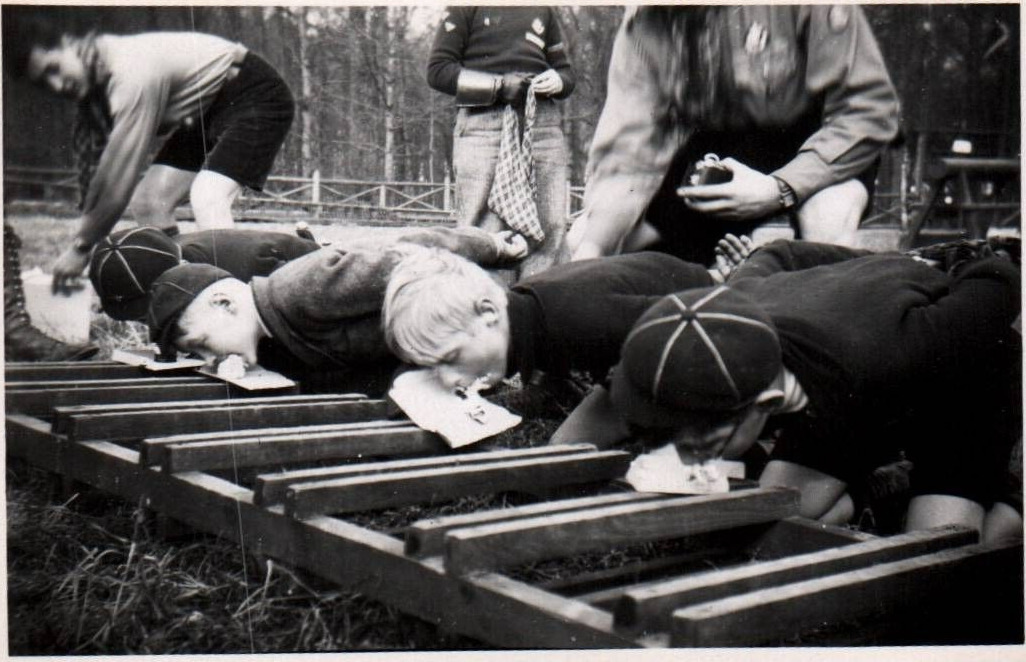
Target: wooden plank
[426, 537]
[271, 488]
[794, 535]
[797, 535]
[151, 451]
[182, 418]
[372, 492]
[40, 402]
[486, 607]
[958, 580]
[649, 608]
[551, 536]
[18, 372]
[260, 451]
[73, 384]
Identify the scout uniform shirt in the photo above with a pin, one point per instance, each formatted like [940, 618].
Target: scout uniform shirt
[785, 60]
[155, 81]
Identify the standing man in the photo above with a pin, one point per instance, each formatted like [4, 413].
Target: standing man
[223, 111]
[794, 99]
[488, 58]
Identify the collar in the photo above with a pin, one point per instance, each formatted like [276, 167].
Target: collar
[795, 398]
[523, 334]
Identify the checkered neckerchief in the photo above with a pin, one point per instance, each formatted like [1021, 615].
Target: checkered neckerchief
[514, 190]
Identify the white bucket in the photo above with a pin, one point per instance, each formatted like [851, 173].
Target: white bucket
[64, 317]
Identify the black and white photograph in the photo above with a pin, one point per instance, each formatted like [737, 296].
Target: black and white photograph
[466, 330]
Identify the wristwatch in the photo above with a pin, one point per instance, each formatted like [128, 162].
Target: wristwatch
[81, 246]
[788, 200]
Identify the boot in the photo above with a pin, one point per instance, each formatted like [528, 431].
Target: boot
[22, 341]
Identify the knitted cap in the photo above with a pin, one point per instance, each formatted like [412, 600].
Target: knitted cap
[124, 265]
[701, 350]
[172, 293]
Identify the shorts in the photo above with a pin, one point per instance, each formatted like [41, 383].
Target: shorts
[241, 133]
[692, 236]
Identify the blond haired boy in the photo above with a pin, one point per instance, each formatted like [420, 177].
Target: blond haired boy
[443, 312]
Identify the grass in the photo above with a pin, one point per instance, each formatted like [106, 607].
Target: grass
[89, 574]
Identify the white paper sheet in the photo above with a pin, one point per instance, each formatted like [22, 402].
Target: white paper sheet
[460, 420]
[662, 470]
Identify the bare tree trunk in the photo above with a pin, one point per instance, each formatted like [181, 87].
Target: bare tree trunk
[391, 14]
[305, 113]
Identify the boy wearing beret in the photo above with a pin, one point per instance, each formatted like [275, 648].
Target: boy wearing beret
[853, 356]
[125, 264]
[322, 309]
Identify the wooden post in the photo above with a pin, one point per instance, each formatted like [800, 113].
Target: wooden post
[446, 193]
[315, 192]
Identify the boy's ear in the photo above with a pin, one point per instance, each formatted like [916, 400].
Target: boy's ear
[487, 309]
[770, 400]
[222, 300]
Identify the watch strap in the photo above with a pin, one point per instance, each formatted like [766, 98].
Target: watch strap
[788, 199]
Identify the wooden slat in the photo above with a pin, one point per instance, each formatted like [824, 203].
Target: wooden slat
[151, 451]
[135, 422]
[260, 451]
[956, 579]
[271, 488]
[76, 370]
[552, 536]
[426, 537]
[486, 607]
[649, 608]
[73, 384]
[40, 402]
[444, 483]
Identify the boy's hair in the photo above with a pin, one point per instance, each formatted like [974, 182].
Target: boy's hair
[431, 296]
[23, 32]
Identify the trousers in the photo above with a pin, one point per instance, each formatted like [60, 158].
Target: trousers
[476, 139]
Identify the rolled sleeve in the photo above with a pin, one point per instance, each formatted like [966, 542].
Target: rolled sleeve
[860, 111]
[137, 107]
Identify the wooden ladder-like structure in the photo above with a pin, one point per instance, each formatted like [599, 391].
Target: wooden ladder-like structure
[290, 476]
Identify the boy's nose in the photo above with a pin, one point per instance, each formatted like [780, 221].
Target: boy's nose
[449, 377]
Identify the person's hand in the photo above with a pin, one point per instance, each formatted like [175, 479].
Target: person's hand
[548, 83]
[731, 252]
[514, 87]
[511, 245]
[750, 194]
[67, 270]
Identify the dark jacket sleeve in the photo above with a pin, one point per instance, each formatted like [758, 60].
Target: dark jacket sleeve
[559, 57]
[784, 255]
[244, 253]
[446, 60]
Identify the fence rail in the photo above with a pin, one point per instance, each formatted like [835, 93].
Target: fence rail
[315, 195]
[907, 193]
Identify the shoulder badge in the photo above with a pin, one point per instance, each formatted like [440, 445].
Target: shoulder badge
[838, 17]
[449, 26]
[538, 26]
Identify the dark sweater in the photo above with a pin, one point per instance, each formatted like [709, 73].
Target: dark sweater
[498, 40]
[883, 343]
[577, 315]
[325, 307]
[244, 253]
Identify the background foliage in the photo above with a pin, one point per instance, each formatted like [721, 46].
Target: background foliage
[368, 113]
